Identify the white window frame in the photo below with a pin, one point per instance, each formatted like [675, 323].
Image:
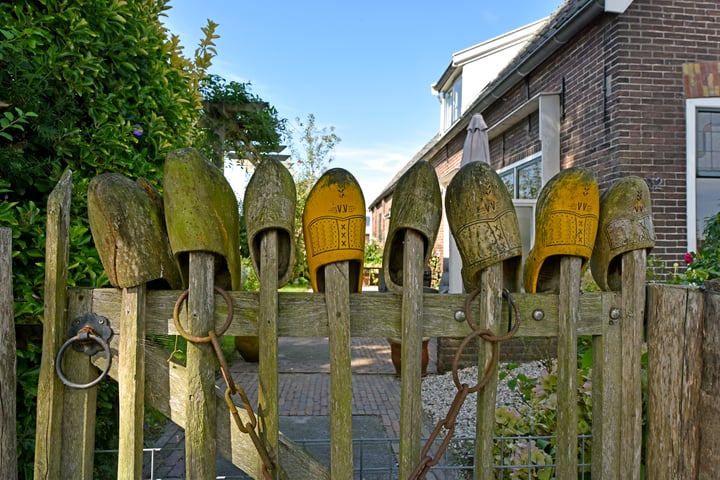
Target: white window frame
[692, 106]
[518, 165]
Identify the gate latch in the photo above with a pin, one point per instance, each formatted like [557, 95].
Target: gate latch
[89, 334]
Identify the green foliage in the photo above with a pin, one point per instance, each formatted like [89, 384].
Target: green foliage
[234, 119]
[16, 121]
[373, 254]
[537, 416]
[108, 98]
[704, 264]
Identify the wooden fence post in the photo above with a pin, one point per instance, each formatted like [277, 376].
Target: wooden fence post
[606, 406]
[491, 281]
[50, 389]
[268, 421]
[674, 336]
[201, 409]
[337, 298]
[131, 382]
[567, 415]
[631, 336]
[8, 375]
[411, 353]
[709, 453]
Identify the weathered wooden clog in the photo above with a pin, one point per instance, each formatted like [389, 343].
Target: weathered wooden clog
[269, 204]
[625, 225]
[483, 221]
[128, 228]
[334, 227]
[416, 205]
[201, 213]
[566, 220]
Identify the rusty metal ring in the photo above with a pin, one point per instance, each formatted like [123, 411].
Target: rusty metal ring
[468, 300]
[83, 336]
[512, 330]
[487, 335]
[489, 369]
[193, 338]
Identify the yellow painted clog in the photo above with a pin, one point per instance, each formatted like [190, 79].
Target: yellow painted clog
[334, 227]
[201, 213]
[483, 221]
[416, 205]
[625, 225]
[566, 220]
[128, 228]
[269, 204]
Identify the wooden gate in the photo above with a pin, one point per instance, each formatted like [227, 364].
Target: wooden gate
[187, 394]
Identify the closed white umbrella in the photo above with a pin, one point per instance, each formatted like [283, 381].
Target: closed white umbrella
[476, 147]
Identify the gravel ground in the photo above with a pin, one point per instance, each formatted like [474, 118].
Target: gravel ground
[438, 392]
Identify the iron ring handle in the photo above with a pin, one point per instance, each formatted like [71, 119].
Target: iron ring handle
[83, 336]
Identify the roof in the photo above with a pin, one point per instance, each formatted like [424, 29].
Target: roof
[571, 17]
[484, 49]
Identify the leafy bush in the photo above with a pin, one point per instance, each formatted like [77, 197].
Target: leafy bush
[108, 98]
[704, 264]
[537, 416]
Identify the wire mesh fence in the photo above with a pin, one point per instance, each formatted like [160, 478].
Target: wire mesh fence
[517, 457]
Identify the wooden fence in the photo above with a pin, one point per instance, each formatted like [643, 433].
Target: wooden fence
[187, 394]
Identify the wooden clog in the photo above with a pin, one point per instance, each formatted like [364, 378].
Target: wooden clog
[334, 227]
[416, 205]
[566, 220]
[625, 225]
[128, 228]
[269, 204]
[483, 221]
[201, 213]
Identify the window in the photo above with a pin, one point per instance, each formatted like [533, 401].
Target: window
[524, 181]
[453, 104]
[524, 178]
[703, 165]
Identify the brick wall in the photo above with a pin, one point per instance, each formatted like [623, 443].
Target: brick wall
[514, 350]
[623, 111]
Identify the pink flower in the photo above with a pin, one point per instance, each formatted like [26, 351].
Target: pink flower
[688, 258]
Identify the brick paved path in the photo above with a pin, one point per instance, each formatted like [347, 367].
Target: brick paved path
[304, 391]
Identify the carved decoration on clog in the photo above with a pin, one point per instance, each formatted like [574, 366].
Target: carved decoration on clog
[416, 205]
[201, 212]
[566, 220]
[625, 225]
[334, 227]
[484, 224]
[128, 228]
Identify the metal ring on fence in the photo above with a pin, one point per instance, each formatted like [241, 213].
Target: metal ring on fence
[489, 369]
[487, 335]
[83, 336]
[193, 338]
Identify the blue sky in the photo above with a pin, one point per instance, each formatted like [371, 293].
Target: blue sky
[364, 67]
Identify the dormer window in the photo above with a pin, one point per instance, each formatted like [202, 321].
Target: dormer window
[452, 104]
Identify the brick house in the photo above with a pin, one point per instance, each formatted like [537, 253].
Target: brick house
[624, 87]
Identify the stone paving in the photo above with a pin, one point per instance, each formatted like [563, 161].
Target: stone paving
[304, 396]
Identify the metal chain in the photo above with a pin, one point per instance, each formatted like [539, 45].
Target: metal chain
[269, 460]
[427, 461]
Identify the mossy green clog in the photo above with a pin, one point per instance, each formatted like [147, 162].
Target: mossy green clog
[625, 225]
[201, 213]
[128, 228]
[483, 221]
[416, 205]
[269, 204]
